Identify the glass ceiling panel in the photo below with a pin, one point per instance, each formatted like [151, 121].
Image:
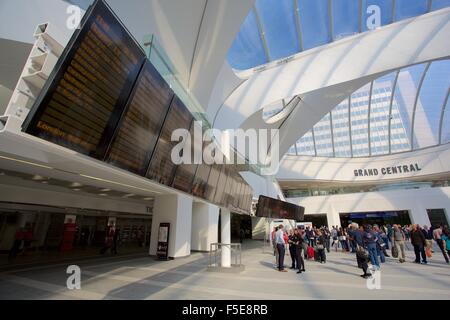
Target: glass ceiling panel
[446, 124]
[369, 13]
[403, 107]
[345, 18]
[279, 27]
[379, 114]
[439, 4]
[429, 106]
[305, 146]
[341, 132]
[322, 136]
[409, 8]
[359, 113]
[314, 21]
[384, 139]
[247, 50]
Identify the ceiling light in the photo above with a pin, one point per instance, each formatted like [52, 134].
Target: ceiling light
[118, 183]
[148, 199]
[38, 178]
[75, 185]
[44, 182]
[103, 194]
[26, 162]
[105, 190]
[129, 195]
[76, 189]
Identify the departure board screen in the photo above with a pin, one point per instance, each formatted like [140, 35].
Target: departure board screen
[185, 173]
[83, 100]
[162, 168]
[274, 208]
[141, 124]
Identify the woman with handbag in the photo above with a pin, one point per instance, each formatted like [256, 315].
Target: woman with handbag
[362, 255]
[320, 245]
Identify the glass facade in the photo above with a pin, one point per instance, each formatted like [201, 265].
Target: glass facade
[276, 29]
[401, 111]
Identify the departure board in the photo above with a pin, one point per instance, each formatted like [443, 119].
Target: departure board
[141, 124]
[82, 102]
[162, 168]
[185, 173]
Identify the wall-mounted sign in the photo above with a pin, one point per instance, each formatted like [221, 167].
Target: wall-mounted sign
[373, 172]
[162, 251]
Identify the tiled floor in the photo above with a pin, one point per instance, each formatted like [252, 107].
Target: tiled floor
[187, 278]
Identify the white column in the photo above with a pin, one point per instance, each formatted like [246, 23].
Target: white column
[418, 215]
[225, 222]
[205, 223]
[333, 218]
[176, 210]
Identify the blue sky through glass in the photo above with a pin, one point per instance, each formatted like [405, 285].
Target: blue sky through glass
[247, 50]
[314, 21]
[345, 18]
[409, 8]
[439, 4]
[278, 23]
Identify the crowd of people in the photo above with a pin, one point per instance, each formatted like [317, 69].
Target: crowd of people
[370, 244]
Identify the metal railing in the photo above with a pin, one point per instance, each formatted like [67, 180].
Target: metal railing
[215, 254]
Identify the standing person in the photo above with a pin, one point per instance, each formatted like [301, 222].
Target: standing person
[342, 239]
[292, 240]
[445, 237]
[437, 235]
[18, 241]
[370, 240]
[428, 234]
[351, 236]
[320, 245]
[115, 240]
[299, 248]
[361, 252]
[279, 240]
[274, 244]
[334, 236]
[241, 235]
[380, 244]
[327, 236]
[399, 239]
[418, 242]
[390, 234]
[310, 235]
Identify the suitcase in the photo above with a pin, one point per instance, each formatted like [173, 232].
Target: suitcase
[310, 252]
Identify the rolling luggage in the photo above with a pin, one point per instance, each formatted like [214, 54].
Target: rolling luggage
[310, 252]
[316, 255]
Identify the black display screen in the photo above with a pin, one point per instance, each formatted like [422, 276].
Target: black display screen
[162, 168]
[277, 209]
[185, 173]
[141, 124]
[84, 98]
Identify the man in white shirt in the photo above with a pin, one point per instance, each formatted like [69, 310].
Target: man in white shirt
[279, 240]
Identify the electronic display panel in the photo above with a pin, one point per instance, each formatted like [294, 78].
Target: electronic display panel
[185, 173]
[162, 169]
[274, 208]
[137, 134]
[220, 195]
[83, 100]
[213, 181]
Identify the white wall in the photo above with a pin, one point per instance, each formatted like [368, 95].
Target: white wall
[205, 224]
[176, 210]
[432, 161]
[417, 201]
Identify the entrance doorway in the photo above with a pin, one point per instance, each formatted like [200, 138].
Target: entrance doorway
[318, 220]
[378, 217]
[437, 217]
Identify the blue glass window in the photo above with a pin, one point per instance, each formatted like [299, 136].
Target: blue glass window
[369, 13]
[439, 4]
[405, 9]
[247, 50]
[345, 18]
[315, 22]
[279, 26]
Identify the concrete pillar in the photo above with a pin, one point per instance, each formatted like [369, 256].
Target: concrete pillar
[176, 210]
[418, 215]
[225, 222]
[333, 218]
[205, 223]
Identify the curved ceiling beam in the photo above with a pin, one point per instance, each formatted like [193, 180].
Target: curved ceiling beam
[389, 48]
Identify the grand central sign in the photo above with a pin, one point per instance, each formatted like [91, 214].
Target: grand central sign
[407, 168]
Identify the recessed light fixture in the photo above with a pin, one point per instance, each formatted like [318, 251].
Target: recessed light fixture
[105, 190]
[44, 182]
[103, 194]
[129, 195]
[76, 189]
[148, 199]
[38, 178]
[75, 185]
